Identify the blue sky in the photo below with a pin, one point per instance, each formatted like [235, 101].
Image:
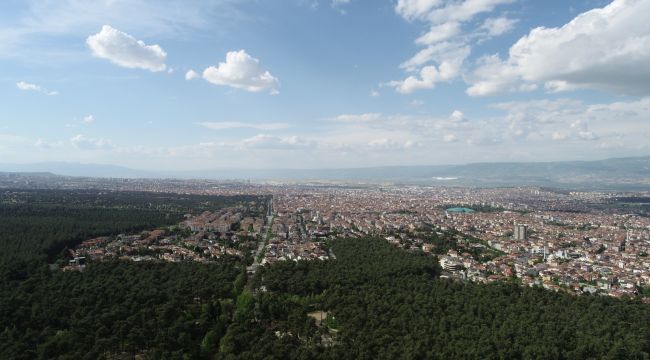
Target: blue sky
[305, 83]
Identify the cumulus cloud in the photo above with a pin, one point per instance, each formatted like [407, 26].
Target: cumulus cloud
[446, 45]
[542, 129]
[605, 48]
[429, 76]
[191, 74]
[449, 57]
[242, 71]
[87, 143]
[548, 129]
[457, 116]
[542, 111]
[443, 54]
[221, 125]
[25, 86]
[124, 50]
[572, 120]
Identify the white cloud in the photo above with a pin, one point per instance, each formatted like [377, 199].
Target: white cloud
[221, 125]
[27, 86]
[33, 30]
[580, 128]
[498, 26]
[542, 111]
[557, 135]
[438, 33]
[574, 121]
[366, 117]
[242, 71]
[440, 53]
[390, 144]
[526, 130]
[457, 116]
[374, 93]
[124, 50]
[446, 47]
[415, 9]
[191, 74]
[87, 143]
[605, 48]
[374, 131]
[88, 119]
[464, 10]
[43, 144]
[33, 87]
[547, 129]
[491, 77]
[265, 141]
[429, 75]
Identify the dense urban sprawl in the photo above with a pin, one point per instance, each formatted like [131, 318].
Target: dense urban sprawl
[577, 242]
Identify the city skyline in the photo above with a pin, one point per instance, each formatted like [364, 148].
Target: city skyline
[309, 84]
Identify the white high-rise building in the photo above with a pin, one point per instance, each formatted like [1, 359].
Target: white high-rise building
[521, 232]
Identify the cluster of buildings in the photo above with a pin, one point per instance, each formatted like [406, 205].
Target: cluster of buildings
[559, 241]
[566, 241]
[224, 221]
[291, 239]
[201, 238]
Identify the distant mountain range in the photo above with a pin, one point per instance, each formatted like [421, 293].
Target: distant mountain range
[632, 172]
[77, 169]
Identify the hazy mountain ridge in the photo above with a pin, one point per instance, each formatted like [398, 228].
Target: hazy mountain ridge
[633, 171]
